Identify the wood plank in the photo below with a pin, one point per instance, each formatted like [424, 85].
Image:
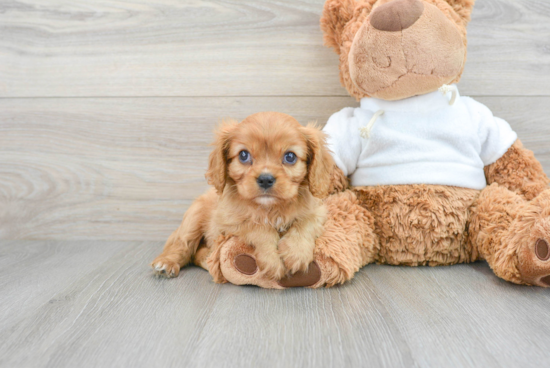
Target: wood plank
[127, 168]
[114, 312]
[339, 327]
[27, 260]
[117, 314]
[244, 48]
[464, 316]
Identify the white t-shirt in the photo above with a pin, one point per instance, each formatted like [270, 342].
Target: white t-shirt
[419, 140]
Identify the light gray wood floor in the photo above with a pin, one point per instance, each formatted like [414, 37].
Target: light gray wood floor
[95, 304]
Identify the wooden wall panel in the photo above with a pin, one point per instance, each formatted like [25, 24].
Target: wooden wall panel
[127, 168]
[61, 48]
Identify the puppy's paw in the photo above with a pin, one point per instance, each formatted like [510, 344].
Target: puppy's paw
[165, 267]
[272, 267]
[295, 257]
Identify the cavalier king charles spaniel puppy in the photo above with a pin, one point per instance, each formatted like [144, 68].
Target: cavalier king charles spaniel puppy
[268, 174]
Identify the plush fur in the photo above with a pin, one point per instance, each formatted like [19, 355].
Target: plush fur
[281, 220]
[507, 223]
[519, 171]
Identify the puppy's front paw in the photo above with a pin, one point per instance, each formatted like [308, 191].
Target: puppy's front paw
[295, 257]
[272, 267]
[165, 267]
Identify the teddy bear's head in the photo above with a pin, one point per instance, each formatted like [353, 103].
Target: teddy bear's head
[394, 49]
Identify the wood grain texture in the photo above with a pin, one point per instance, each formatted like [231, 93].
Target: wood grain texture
[232, 48]
[79, 168]
[482, 313]
[128, 168]
[110, 311]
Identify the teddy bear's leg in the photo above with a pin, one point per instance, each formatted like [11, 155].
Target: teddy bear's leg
[347, 244]
[234, 261]
[512, 234]
[349, 241]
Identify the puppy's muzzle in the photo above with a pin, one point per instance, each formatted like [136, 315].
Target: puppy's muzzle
[265, 181]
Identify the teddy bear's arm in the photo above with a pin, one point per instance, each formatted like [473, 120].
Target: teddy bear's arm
[344, 142]
[519, 171]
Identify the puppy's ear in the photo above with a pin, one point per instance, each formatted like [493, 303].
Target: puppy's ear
[320, 162]
[217, 165]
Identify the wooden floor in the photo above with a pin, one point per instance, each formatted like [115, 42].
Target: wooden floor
[106, 112]
[94, 304]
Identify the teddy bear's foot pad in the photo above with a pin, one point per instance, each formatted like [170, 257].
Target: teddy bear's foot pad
[245, 264]
[307, 278]
[542, 250]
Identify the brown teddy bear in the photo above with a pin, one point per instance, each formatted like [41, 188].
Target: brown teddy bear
[435, 178]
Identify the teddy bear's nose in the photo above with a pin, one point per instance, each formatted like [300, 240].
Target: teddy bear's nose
[396, 15]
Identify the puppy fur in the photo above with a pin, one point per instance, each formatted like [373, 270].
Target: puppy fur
[282, 221]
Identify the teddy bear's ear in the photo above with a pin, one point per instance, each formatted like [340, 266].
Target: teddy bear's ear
[463, 8]
[336, 14]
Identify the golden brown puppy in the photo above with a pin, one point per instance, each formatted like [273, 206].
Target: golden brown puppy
[267, 172]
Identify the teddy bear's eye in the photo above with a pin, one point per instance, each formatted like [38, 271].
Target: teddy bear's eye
[245, 157]
[290, 158]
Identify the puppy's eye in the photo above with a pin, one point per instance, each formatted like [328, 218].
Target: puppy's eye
[244, 157]
[290, 158]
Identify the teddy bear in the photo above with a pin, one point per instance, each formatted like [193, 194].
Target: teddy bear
[423, 175]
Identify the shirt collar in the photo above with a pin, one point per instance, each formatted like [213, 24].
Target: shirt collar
[431, 101]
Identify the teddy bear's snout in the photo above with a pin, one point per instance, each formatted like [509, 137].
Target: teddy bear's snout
[405, 48]
[396, 15]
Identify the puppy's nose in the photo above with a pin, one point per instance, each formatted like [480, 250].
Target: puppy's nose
[265, 181]
[396, 15]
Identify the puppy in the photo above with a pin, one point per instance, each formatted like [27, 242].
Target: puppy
[268, 173]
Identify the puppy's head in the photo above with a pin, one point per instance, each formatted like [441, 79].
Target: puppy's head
[268, 157]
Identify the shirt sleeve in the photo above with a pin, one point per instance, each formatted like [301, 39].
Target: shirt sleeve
[344, 140]
[495, 134]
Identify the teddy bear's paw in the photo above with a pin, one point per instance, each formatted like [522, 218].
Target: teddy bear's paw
[522, 254]
[534, 263]
[534, 255]
[165, 267]
[333, 273]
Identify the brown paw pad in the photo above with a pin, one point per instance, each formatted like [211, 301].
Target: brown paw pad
[245, 264]
[545, 280]
[304, 279]
[542, 250]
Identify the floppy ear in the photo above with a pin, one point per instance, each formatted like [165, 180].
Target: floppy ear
[320, 162]
[217, 165]
[336, 14]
